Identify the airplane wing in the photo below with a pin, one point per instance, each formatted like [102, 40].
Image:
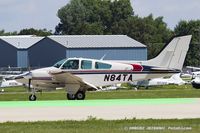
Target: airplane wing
[65, 77]
[71, 80]
[195, 68]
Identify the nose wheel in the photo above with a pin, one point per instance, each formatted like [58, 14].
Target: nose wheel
[32, 97]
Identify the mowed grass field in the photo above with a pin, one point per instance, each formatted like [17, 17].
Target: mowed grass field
[169, 91]
[104, 126]
[98, 126]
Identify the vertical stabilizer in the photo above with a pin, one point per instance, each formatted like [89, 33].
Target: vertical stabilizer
[173, 55]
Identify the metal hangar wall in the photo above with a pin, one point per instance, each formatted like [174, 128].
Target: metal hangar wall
[22, 51]
[8, 54]
[45, 53]
[113, 47]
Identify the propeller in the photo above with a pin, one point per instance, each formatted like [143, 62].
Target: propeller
[28, 76]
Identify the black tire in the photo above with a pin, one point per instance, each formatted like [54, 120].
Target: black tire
[71, 96]
[195, 85]
[32, 97]
[80, 95]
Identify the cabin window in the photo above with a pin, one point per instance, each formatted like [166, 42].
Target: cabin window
[86, 64]
[99, 65]
[71, 64]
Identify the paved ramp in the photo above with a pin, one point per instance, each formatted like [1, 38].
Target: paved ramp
[176, 108]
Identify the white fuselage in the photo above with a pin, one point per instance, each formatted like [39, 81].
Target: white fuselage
[42, 79]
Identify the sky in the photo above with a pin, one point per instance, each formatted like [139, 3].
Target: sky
[172, 10]
[19, 14]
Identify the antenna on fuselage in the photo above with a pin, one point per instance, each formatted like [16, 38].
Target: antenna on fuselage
[102, 58]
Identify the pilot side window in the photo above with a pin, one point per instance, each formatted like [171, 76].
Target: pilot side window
[59, 63]
[99, 65]
[86, 64]
[71, 64]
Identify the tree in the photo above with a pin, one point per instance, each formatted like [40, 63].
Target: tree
[191, 28]
[31, 31]
[81, 16]
[112, 17]
[149, 31]
[3, 33]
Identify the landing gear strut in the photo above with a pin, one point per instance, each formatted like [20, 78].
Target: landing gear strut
[80, 95]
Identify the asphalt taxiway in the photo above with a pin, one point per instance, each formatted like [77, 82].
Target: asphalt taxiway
[166, 108]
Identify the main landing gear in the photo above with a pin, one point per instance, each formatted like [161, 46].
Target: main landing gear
[80, 95]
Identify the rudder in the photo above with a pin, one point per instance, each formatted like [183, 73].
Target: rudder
[173, 55]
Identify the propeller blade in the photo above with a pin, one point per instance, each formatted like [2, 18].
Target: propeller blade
[28, 75]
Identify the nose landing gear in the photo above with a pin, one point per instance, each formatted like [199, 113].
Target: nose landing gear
[32, 97]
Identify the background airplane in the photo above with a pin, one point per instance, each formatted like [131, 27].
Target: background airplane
[195, 76]
[110, 88]
[79, 74]
[174, 79]
[194, 71]
[9, 83]
[196, 82]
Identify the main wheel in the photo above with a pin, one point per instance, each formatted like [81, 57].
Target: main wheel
[71, 96]
[32, 97]
[80, 95]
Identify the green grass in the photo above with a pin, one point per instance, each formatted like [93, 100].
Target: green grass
[169, 91]
[93, 125]
[117, 126]
[14, 89]
[96, 103]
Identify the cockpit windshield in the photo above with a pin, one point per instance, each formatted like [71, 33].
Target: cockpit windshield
[71, 64]
[59, 63]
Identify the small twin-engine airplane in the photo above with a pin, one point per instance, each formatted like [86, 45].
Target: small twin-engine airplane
[80, 74]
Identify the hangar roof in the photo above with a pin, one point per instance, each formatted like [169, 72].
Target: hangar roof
[75, 41]
[21, 42]
[96, 41]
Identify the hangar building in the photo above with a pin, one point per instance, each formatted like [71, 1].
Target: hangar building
[14, 50]
[20, 51]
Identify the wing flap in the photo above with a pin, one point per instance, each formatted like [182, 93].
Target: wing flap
[65, 77]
